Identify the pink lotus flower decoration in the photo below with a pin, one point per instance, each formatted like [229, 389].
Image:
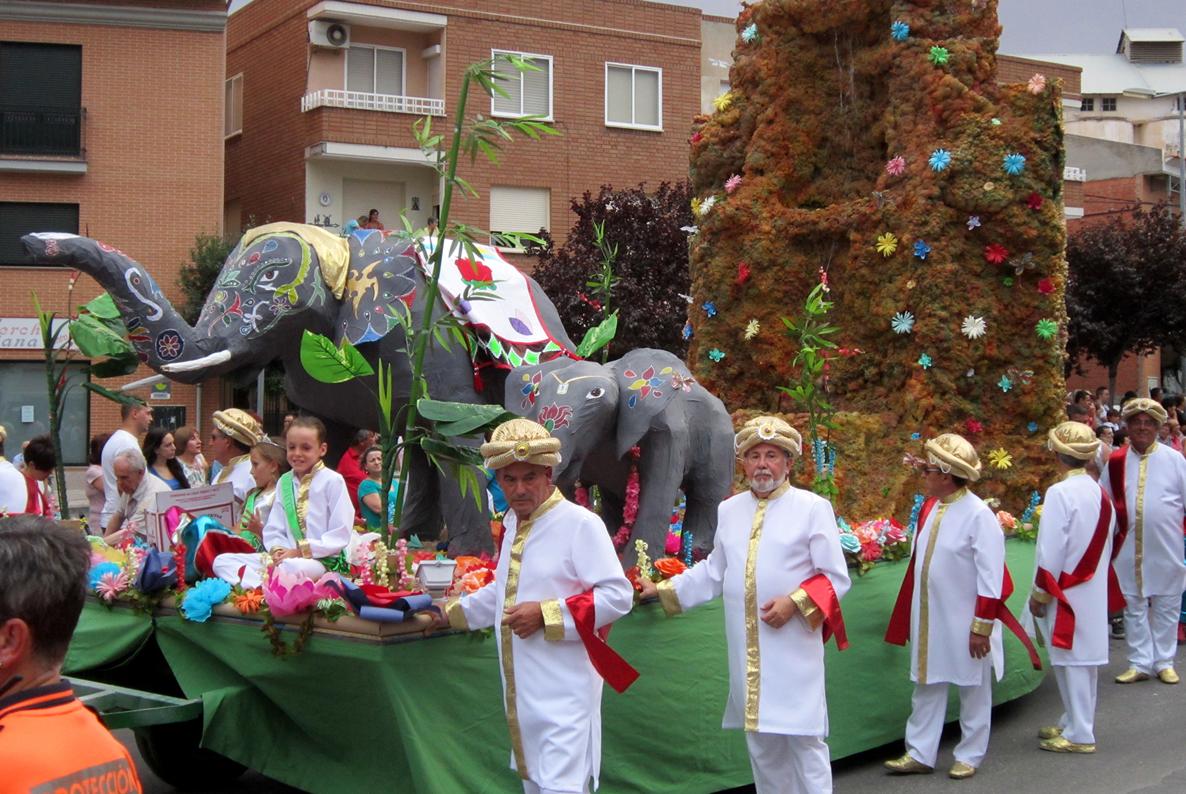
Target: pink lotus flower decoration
[288, 593]
[896, 166]
[111, 585]
[732, 183]
[1037, 84]
[673, 544]
[895, 534]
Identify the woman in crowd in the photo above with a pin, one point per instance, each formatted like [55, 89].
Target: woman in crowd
[160, 451]
[370, 490]
[189, 454]
[94, 483]
[40, 461]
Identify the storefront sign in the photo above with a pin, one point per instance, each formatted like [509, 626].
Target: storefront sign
[24, 333]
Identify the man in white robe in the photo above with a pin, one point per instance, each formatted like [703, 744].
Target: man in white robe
[558, 580]
[13, 494]
[778, 563]
[235, 433]
[950, 601]
[1147, 483]
[1070, 594]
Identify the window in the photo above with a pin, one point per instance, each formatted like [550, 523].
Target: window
[633, 96]
[40, 99]
[22, 384]
[232, 123]
[1108, 104]
[375, 70]
[18, 219]
[519, 209]
[529, 93]
[1087, 104]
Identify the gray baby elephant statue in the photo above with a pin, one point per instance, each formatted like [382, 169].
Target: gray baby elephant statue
[646, 399]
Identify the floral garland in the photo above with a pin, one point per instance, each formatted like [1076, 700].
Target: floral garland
[630, 508]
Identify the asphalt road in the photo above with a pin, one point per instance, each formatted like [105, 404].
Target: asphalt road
[1140, 734]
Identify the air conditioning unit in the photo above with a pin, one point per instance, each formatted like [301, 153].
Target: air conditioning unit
[325, 33]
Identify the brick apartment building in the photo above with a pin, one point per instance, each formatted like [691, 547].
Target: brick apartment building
[326, 92]
[110, 125]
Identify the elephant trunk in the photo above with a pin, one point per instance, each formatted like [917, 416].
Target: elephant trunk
[161, 337]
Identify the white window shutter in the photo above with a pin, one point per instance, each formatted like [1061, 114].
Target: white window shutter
[618, 95]
[360, 69]
[512, 84]
[537, 89]
[520, 209]
[389, 72]
[646, 98]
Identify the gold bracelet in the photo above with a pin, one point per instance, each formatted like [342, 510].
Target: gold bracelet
[306, 552]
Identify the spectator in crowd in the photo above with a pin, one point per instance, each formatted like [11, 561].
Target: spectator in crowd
[18, 459]
[1128, 395]
[51, 742]
[1103, 401]
[94, 484]
[12, 484]
[1113, 418]
[370, 491]
[1083, 399]
[289, 418]
[40, 461]
[137, 497]
[161, 453]
[1172, 431]
[433, 227]
[136, 419]
[350, 465]
[1156, 393]
[189, 455]
[1078, 413]
[373, 221]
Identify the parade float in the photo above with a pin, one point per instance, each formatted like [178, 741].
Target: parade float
[867, 183]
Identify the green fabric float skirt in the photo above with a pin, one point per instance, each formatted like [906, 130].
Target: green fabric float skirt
[350, 715]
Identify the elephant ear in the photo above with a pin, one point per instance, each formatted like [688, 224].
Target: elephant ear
[523, 385]
[380, 286]
[648, 380]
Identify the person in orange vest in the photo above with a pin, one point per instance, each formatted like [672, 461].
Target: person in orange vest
[48, 740]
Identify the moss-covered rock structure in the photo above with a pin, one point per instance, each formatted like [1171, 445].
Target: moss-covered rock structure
[868, 142]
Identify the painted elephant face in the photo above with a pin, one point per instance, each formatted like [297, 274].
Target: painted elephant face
[578, 405]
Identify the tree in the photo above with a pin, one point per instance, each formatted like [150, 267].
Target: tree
[650, 270]
[197, 276]
[1125, 287]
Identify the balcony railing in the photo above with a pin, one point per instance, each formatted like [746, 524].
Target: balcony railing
[359, 100]
[38, 131]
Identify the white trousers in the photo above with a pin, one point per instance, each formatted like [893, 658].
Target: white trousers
[789, 764]
[929, 707]
[1151, 631]
[531, 788]
[1077, 688]
[248, 569]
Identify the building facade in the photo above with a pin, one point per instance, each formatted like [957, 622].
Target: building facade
[110, 126]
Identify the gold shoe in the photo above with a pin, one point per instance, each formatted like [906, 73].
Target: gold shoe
[961, 771]
[1049, 732]
[1131, 676]
[908, 766]
[1168, 676]
[1061, 745]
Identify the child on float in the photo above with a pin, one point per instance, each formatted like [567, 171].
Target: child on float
[269, 460]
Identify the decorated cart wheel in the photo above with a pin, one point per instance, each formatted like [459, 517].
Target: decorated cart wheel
[172, 753]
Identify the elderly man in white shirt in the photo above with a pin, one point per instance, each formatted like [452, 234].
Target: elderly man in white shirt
[137, 497]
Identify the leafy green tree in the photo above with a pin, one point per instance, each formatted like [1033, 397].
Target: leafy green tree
[197, 276]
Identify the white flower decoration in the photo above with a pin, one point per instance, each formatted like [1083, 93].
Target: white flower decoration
[973, 327]
[707, 205]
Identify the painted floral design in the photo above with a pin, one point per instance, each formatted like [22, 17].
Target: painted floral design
[169, 345]
[554, 416]
[645, 384]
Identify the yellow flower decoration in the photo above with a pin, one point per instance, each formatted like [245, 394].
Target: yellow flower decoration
[695, 206]
[887, 244]
[752, 328]
[723, 102]
[999, 458]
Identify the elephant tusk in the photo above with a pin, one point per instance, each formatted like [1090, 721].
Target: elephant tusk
[212, 360]
[151, 380]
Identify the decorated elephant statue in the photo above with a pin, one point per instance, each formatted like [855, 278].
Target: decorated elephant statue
[647, 400]
[283, 278]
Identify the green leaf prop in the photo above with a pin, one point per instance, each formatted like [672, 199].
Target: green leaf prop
[459, 419]
[96, 339]
[328, 363]
[102, 307]
[598, 336]
[115, 367]
[114, 396]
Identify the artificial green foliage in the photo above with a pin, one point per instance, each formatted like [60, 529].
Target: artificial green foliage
[329, 363]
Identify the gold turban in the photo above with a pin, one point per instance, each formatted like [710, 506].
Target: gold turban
[521, 441]
[768, 430]
[239, 425]
[3, 434]
[1143, 405]
[954, 455]
[1074, 439]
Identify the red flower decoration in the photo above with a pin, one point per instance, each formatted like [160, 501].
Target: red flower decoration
[1034, 202]
[995, 253]
[1045, 286]
[973, 427]
[474, 271]
[696, 138]
[743, 273]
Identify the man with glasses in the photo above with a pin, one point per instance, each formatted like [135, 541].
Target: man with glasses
[235, 433]
[1147, 483]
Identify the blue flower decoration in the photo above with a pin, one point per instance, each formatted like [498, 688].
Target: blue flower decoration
[710, 308]
[1005, 383]
[921, 249]
[99, 571]
[899, 31]
[750, 33]
[915, 436]
[925, 361]
[200, 599]
[902, 323]
[1014, 163]
[973, 222]
[687, 332]
[850, 543]
[716, 354]
[1032, 427]
[939, 159]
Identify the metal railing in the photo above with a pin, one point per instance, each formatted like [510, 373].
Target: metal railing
[360, 100]
[52, 132]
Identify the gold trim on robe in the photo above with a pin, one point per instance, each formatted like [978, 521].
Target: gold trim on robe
[753, 662]
[924, 601]
[807, 608]
[553, 619]
[1138, 522]
[456, 614]
[668, 598]
[225, 472]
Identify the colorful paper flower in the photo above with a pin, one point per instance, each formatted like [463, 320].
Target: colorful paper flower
[669, 567]
[915, 436]
[710, 308]
[973, 426]
[743, 273]
[696, 138]
[988, 187]
[939, 55]
[995, 122]
[921, 249]
[1005, 384]
[752, 329]
[1034, 200]
[1007, 281]
[902, 323]
[1045, 286]
[707, 205]
[899, 30]
[973, 222]
[911, 284]
[995, 253]
[1000, 458]
[973, 327]
[1013, 163]
[695, 206]
[723, 102]
[716, 354]
[1036, 84]
[249, 601]
[1032, 427]
[925, 361]
[1006, 520]
[111, 585]
[887, 244]
[896, 166]
[687, 332]
[1046, 329]
[96, 574]
[200, 600]
[850, 543]
[749, 34]
[732, 183]
[939, 159]
[288, 593]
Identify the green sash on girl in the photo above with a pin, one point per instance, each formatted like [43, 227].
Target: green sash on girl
[248, 511]
[287, 486]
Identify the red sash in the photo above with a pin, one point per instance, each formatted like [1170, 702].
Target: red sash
[1064, 623]
[35, 502]
[1120, 503]
[819, 589]
[615, 670]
